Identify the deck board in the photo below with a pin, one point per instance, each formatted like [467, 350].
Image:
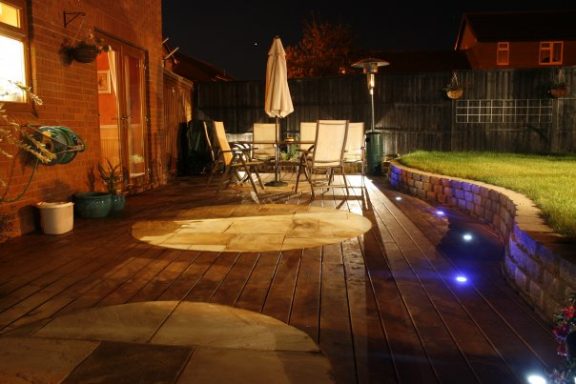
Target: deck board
[382, 306]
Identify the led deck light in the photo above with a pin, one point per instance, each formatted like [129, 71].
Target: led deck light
[440, 212]
[467, 237]
[398, 198]
[461, 279]
[536, 379]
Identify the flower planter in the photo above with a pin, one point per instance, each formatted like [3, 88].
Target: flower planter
[56, 218]
[455, 93]
[93, 204]
[118, 203]
[558, 92]
[84, 53]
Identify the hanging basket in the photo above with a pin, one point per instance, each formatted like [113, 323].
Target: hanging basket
[84, 53]
[455, 93]
[558, 92]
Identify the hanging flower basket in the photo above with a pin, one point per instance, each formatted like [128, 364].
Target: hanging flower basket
[84, 53]
[455, 93]
[558, 92]
[453, 89]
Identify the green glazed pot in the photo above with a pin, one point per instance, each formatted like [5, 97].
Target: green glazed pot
[93, 204]
[118, 203]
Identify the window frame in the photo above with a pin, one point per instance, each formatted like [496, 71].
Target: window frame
[503, 53]
[550, 47]
[21, 34]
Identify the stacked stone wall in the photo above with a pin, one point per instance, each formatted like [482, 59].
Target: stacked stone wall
[538, 262]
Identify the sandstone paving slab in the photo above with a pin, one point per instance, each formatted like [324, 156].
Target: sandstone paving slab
[122, 363]
[42, 361]
[214, 365]
[134, 322]
[253, 228]
[202, 324]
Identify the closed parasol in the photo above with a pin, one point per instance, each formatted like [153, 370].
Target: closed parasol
[278, 102]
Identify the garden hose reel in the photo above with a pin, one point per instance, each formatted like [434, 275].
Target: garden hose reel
[61, 141]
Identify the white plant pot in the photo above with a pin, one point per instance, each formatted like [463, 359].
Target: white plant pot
[56, 218]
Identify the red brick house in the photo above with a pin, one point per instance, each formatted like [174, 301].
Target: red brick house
[114, 103]
[518, 40]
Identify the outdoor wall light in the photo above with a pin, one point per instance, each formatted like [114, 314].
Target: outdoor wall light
[467, 237]
[398, 198]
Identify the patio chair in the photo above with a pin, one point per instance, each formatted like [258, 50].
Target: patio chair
[307, 135]
[355, 150]
[306, 138]
[264, 141]
[235, 162]
[325, 157]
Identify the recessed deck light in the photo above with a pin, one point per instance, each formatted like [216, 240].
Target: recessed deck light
[536, 379]
[467, 237]
[461, 279]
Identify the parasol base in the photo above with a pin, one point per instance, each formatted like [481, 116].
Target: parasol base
[276, 183]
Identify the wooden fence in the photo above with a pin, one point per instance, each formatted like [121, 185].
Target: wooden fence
[501, 110]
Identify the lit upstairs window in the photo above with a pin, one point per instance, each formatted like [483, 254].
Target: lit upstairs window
[551, 52]
[503, 53]
[9, 15]
[13, 42]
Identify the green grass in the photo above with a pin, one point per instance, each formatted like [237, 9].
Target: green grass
[549, 181]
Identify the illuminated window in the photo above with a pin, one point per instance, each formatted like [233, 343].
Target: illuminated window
[503, 53]
[13, 42]
[551, 52]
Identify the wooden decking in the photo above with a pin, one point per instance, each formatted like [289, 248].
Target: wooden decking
[383, 307]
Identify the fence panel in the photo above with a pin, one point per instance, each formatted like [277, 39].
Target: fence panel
[501, 110]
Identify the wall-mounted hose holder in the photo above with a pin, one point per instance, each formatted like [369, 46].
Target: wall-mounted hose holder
[62, 142]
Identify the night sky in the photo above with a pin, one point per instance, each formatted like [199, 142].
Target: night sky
[235, 35]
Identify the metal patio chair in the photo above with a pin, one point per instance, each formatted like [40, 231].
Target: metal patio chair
[355, 150]
[235, 163]
[264, 141]
[320, 163]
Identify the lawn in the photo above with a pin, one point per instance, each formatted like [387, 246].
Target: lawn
[549, 181]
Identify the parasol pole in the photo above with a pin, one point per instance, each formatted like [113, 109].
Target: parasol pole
[276, 182]
[277, 152]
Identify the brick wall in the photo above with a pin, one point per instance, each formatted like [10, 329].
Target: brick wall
[69, 92]
[538, 263]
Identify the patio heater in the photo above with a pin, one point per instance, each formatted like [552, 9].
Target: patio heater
[370, 66]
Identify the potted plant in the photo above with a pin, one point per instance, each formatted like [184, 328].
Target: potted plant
[85, 50]
[453, 89]
[18, 136]
[111, 175]
[564, 331]
[558, 89]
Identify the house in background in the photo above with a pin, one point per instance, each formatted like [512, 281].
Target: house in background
[421, 61]
[518, 40]
[180, 74]
[113, 102]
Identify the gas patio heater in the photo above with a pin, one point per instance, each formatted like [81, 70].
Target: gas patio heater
[370, 66]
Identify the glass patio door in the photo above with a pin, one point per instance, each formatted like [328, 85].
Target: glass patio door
[122, 110]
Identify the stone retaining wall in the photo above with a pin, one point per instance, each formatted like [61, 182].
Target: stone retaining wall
[539, 263]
